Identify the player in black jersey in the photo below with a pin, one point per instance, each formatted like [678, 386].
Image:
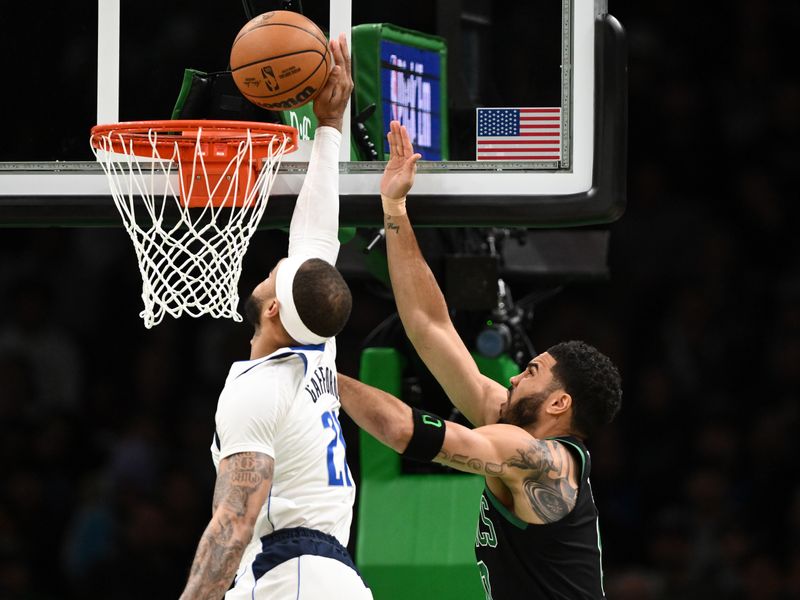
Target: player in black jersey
[538, 535]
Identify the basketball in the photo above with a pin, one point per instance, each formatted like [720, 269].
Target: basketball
[280, 60]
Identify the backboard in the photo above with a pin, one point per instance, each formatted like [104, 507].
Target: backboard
[552, 67]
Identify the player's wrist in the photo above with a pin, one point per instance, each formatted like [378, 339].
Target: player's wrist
[336, 124]
[328, 133]
[394, 207]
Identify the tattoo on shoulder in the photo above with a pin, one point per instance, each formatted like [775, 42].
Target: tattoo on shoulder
[547, 486]
[240, 478]
[537, 456]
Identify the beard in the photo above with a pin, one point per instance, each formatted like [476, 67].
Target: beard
[252, 311]
[524, 411]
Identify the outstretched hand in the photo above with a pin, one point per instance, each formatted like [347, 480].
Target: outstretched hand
[398, 176]
[332, 100]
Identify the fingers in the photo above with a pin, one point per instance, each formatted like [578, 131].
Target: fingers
[341, 77]
[330, 104]
[401, 136]
[400, 142]
[398, 175]
[395, 140]
[334, 77]
[341, 54]
[344, 50]
[336, 52]
[392, 150]
[395, 129]
[336, 70]
[401, 151]
[405, 140]
[390, 140]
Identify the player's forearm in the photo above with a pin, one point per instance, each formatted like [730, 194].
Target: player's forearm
[383, 416]
[218, 555]
[315, 222]
[419, 300]
[426, 320]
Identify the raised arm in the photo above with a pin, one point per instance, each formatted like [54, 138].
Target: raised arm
[541, 474]
[243, 484]
[314, 228]
[420, 302]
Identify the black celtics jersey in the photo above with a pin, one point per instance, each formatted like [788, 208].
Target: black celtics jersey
[557, 560]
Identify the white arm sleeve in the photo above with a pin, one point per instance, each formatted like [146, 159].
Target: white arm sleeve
[314, 228]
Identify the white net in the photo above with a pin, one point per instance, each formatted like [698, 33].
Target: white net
[190, 259]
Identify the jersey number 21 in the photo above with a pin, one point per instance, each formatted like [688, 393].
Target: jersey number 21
[338, 472]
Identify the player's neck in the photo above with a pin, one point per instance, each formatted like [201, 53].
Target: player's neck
[266, 342]
[550, 428]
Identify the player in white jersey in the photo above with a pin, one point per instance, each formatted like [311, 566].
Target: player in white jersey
[284, 495]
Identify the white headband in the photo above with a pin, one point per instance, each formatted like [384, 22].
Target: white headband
[294, 326]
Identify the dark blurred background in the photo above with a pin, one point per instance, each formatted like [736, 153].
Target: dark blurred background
[106, 426]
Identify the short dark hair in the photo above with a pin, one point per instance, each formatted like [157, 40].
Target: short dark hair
[322, 298]
[592, 380]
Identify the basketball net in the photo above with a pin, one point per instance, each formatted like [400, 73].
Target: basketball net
[190, 225]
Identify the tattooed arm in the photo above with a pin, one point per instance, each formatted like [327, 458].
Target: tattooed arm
[541, 474]
[243, 483]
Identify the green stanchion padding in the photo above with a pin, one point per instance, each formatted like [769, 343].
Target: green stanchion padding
[367, 80]
[381, 368]
[416, 534]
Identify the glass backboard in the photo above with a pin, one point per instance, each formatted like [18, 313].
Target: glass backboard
[544, 80]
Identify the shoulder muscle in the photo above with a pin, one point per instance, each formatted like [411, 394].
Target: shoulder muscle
[549, 479]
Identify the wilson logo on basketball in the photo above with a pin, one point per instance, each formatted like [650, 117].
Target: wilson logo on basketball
[269, 78]
[291, 102]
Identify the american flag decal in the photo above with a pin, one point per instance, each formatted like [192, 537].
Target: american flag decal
[518, 134]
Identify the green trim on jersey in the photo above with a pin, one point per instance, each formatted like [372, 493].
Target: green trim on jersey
[510, 517]
[597, 519]
[578, 448]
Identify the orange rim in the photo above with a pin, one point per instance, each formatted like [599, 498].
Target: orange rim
[134, 137]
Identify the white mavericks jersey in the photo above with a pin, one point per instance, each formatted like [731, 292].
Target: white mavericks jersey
[286, 405]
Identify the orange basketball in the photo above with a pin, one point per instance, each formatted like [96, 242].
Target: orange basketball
[280, 60]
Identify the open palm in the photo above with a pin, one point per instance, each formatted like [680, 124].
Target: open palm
[398, 176]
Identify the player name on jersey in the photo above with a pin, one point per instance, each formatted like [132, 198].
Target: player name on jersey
[323, 381]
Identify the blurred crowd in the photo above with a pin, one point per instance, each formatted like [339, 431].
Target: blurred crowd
[105, 426]
[698, 484]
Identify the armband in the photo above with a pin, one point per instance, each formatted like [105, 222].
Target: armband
[394, 207]
[428, 436]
